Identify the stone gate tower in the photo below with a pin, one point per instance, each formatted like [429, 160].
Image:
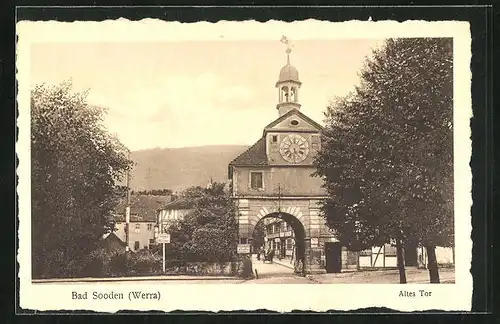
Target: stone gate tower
[273, 178]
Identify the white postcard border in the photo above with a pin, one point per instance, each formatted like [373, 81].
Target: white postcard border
[215, 297]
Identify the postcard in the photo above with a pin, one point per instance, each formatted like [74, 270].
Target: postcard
[244, 165]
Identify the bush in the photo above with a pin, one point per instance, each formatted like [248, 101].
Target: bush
[118, 265]
[104, 263]
[144, 263]
[208, 233]
[212, 245]
[96, 264]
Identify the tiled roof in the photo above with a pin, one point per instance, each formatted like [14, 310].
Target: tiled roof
[142, 207]
[178, 204]
[254, 155]
[134, 218]
[111, 237]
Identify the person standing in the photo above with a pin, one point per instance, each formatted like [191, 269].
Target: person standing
[259, 252]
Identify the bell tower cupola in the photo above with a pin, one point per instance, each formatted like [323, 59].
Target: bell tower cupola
[288, 85]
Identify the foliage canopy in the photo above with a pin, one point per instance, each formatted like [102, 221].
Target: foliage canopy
[208, 231]
[387, 148]
[75, 164]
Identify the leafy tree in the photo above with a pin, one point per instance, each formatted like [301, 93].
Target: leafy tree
[209, 231]
[387, 151]
[75, 164]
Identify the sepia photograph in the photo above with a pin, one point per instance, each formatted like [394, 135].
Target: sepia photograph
[162, 162]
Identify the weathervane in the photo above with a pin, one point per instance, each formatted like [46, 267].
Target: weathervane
[286, 41]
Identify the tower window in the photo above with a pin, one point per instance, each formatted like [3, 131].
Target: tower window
[285, 93]
[275, 138]
[256, 180]
[294, 122]
[292, 95]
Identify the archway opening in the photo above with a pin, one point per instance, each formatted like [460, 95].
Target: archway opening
[283, 236]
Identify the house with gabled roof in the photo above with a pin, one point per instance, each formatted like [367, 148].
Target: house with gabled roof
[143, 220]
[173, 211]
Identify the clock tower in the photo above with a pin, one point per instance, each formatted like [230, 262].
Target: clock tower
[288, 86]
[292, 139]
[273, 179]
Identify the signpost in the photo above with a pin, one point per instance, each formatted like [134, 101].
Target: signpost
[243, 248]
[163, 238]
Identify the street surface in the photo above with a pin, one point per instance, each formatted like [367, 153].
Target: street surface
[279, 272]
[274, 273]
[388, 276]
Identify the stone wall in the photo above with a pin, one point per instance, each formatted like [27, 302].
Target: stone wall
[233, 268]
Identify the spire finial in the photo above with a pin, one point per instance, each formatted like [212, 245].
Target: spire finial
[285, 40]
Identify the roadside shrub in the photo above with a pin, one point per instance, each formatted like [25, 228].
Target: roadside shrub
[118, 265]
[95, 264]
[210, 244]
[145, 263]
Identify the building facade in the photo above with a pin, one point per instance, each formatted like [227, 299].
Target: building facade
[273, 179]
[142, 233]
[171, 212]
[143, 220]
[414, 256]
[279, 235]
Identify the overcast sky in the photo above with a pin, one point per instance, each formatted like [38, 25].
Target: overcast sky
[177, 94]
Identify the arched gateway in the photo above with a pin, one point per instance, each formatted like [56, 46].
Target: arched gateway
[273, 178]
[299, 236]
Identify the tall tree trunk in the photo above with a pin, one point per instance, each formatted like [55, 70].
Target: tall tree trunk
[401, 262]
[432, 264]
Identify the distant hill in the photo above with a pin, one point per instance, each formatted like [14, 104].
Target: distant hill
[179, 168]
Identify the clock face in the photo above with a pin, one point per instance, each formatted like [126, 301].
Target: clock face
[294, 148]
